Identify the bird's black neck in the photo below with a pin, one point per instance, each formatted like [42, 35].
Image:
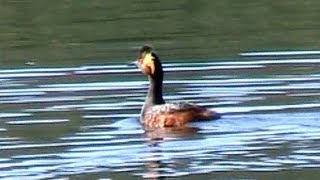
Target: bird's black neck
[154, 96]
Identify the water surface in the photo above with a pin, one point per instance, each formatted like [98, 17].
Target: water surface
[82, 122]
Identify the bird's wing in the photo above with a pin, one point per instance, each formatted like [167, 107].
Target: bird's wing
[173, 107]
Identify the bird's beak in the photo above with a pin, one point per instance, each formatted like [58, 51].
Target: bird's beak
[133, 63]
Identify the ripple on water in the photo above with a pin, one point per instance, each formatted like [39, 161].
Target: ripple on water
[41, 121]
[308, 151]
[36, 70]
[52, 145]
[14, 115]
[87, 138]
[280, 53]
[97, 84]
[106, 106]
[13, 94]
[42, 99]
[31, 75]
[10, 141]
[265, 108]
[307, 157]
[71, 89]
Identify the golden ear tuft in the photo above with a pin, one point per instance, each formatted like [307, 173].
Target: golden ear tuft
[148, 61]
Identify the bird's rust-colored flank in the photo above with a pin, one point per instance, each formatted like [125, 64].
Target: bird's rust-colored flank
[155, 112]
[176, 118]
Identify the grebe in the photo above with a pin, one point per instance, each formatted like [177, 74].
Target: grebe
[155, 113]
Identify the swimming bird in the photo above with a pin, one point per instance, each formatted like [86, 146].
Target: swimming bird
[155, 113]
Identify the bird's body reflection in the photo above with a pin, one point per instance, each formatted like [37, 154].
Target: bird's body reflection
[155, 167]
